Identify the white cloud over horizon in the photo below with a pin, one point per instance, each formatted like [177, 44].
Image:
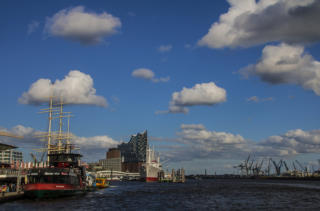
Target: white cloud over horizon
[165, 48]
[78, 25]
[147, 74]
[286, 64]
[250, 22]
[208, 94]
[92, 148]
[75, 88]
[194, 141]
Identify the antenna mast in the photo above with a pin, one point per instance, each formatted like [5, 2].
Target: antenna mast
[49, 129]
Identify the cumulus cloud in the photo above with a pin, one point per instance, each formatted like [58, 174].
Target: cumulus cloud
[201, 94]
[196, 142]
[33, 26]
[289, 64]
[198, 134]
[75, 88]
[251, 22]
[92, 148]
[165, 48]
[297, 140]
[85, 27]
[199, 143]
[148, 74]
[257, 99]
[29, 141]
[96, 142]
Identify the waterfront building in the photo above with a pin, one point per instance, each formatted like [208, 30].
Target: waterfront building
[133, 153]
[135, 149]
[9, 156]
[112, 161]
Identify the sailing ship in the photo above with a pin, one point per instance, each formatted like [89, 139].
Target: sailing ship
[63, 174]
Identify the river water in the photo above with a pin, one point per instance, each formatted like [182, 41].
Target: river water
[223, 194]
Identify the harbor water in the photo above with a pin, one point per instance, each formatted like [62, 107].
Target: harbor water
[222, 194]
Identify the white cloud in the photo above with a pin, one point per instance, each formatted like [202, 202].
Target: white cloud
[201, 94]
[81, 26]
[192, 126]
[92, 148]
[21, 130]
[251, 22]
[148, 74]
[196, 142]
[75, 88]
[165, 48]
[33, 26]
[253, 99]
[257, 99]
[143, 73]
[287, 64]
[96, 142]
[198, 134]
[29, 141]
[298, 140]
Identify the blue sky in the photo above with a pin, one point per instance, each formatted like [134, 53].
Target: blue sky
[272, 101]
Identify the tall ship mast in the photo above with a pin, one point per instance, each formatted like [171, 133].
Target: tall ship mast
[63, 175]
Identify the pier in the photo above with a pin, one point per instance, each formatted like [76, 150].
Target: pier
[9, 196]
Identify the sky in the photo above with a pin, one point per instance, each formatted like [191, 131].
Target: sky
[211, 81]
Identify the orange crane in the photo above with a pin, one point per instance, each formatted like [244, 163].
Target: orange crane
[3, 133]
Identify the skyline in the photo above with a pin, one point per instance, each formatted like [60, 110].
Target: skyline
[210, 81]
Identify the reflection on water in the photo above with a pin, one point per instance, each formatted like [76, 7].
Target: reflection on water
[192, 195]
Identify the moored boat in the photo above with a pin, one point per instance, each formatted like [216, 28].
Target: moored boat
[152, 167]
[63, 174]
[62, 178]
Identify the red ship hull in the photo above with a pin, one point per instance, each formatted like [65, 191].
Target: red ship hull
[51, 190]
[151, 179]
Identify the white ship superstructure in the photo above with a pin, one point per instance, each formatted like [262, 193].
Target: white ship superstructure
[152, 166]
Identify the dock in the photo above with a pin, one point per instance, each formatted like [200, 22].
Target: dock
[9, 196]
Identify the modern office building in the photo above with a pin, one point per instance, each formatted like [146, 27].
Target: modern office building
[112, 161]
[133, 153]
[135, 149]
[10, 156]
[127, 157]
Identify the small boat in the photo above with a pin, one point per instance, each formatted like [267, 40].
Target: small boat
[102, 183]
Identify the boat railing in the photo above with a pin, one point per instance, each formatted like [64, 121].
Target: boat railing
[9, 172]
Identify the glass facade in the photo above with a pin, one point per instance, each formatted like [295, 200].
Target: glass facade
[135, 149]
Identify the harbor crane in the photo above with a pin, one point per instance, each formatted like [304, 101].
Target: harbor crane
[286, 166]
[303, 169]
[277, 166]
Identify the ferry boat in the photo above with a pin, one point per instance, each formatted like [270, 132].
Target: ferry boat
[152, 167]
[102, 183]
[63, 174]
